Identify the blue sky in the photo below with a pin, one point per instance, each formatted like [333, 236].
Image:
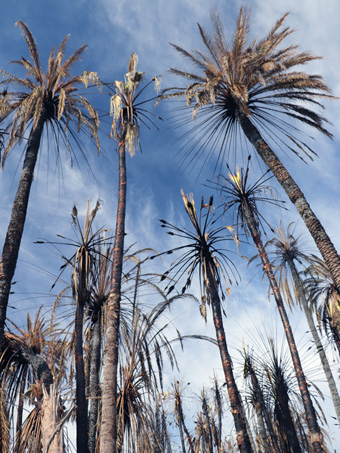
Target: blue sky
[113, 30]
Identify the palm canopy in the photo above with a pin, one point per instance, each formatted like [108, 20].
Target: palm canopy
[203, 250]
[257, 79]
[126, 107]
[55, 94]
[283, 249]
[238, 193]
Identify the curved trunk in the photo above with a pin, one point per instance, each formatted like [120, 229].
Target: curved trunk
[236, 407]
[294, 193]
[94, 385]
[15, 229]
[108, 430]
[316, 338]
[313, 427]
[81, 419]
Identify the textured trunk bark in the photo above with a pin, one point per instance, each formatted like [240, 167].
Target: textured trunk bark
[313, 427]
[286, 425]
[51, 437]
[263, 411]
[108, 432]
[94, 384]
[236, 407]
[15, 229]
[323, 358]
[294, 193]
[20, 412]
[81, 419]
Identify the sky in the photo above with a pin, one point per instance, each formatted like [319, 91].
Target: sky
[113, 30]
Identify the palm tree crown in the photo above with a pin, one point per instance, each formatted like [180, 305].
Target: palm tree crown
[54, 93]
[257, 79]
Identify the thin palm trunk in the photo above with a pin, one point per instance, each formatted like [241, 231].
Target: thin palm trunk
[236, 407]
[323, 358]
[94, 385]
[313, 427]
[108, 433]
[20, 412]
[15, 229]
[81, 419]
[181, 422]
[294, 193]
[262, 411]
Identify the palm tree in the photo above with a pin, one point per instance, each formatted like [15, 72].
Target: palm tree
[258, 402]
[255, 87]
[89, 269]
[127, 113]
[240, 194]
[36, 357]
[286, 252]
[321, 287]
[36, 102]
[202, 253]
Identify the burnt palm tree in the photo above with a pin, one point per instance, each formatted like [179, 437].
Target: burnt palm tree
[322, 289]
[257, 400]
[286, 253]
[238, 193]
[38, 101]
[128, 111]
[85, 263]
[256, 88]
[36, 356]
[203, 253]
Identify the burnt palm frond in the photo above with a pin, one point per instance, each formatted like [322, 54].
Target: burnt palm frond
[285, 249]
[54, 93]
[204, 248]
[238, 192]
[126, 107]
[256, 78]
[321, 287]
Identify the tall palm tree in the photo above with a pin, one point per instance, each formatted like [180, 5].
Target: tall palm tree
[203, 253]
[127, 113]
[88, 267]
[286, 251]
[256, 88]
[38, 101]
[322, 289]
[239, 193]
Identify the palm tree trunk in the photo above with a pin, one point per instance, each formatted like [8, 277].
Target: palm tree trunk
[51, 436]
[236, 407]
[81, 419]
[15, 229]
[262, 411]
[294, 193]
[316, 338]
[313, 427]
[108, 432]
[94, 384]
[20, 412]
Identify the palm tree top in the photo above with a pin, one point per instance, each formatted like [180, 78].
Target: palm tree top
[237, 191]
[125, 106]
[203, 249]
[54, 93]
[255, 78]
